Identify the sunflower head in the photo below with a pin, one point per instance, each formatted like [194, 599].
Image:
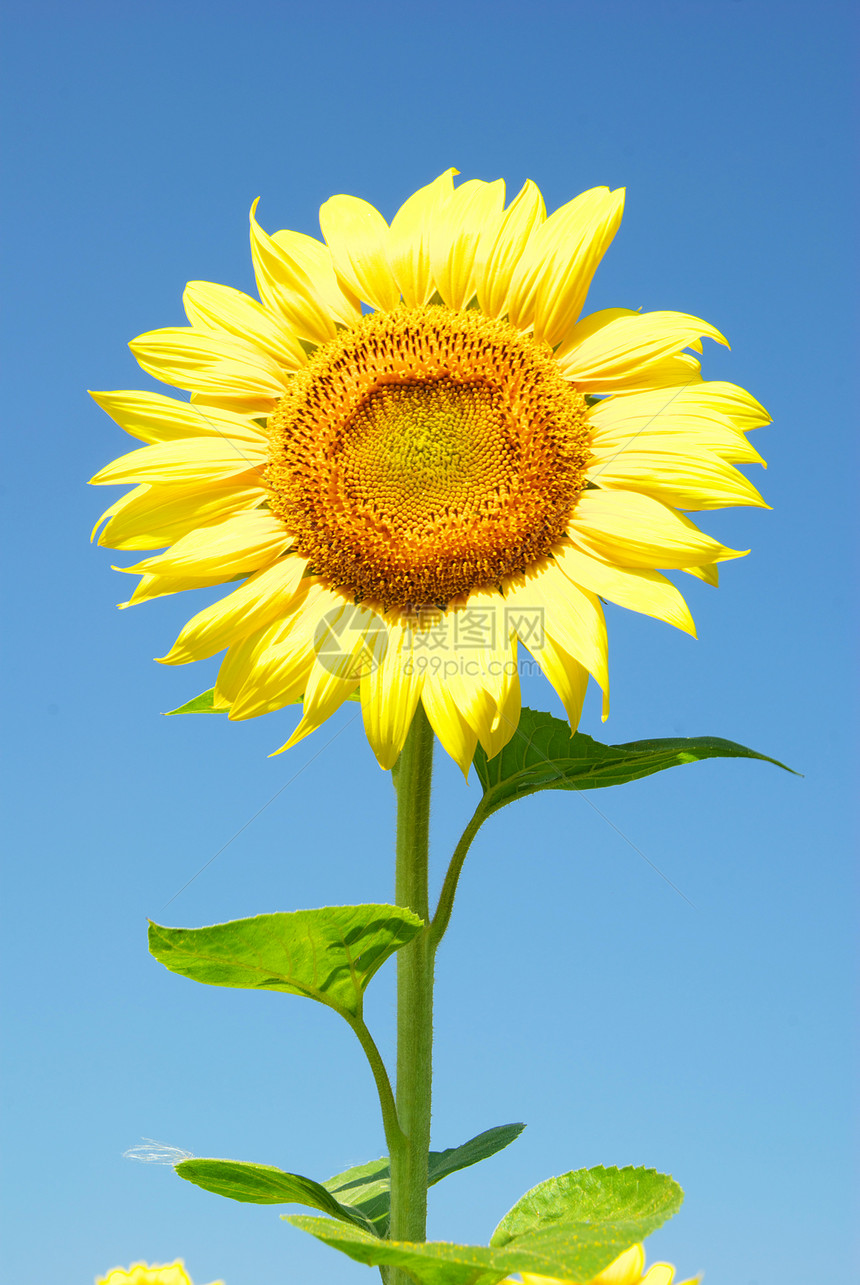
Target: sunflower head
[142, 1274]
[627, 1269]
[416, 456]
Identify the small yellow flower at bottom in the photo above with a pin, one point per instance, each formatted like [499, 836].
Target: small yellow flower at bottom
[627, 1269]
[143, 1274]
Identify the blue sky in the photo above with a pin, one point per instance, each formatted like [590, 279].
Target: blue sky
[577, 990]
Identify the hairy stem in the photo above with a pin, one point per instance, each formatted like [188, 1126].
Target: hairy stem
[409, 1151]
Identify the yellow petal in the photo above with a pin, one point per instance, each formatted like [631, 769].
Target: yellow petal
[572, 617]
[209, 306]
[143, 1274]
[484, 651]
[357, 236]
[324, 694]
[154, 418]
[204, 361]
[677, 477]
[115, 509]
[456, 736]
[236, 546]
[659, 1274]
[390, 691]
[346, 636]
[709, 572]
[669, 419]
[508, 706]
[335, 676]
[444, 653]
[154, 586]
[739, 406]
[566, 675]
[315, 258]
[596, 321]
[187, 462]
[626, 1269]
[669, 372]
[607, 351]
[708, 402]
[645, 591]
[277, 673]
[409, 239]
[267, 595]
[468, 649]
[528, 1278]
[636, 531]
[552, 278]
[151, 517]
[499, 255]
[296, 279]
[692, 438]
[238, 664]
[456, 230]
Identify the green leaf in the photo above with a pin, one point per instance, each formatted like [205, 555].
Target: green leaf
[430, 1262]
[569, 1227]
[592, 1197]
[542, 755]
[367, 1187]
[481, 1147]
[205, 704]
[202, 704]
[329, 954]
[265, 1185]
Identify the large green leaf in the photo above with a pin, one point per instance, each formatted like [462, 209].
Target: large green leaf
[265, 1185]
[431, 1262]
[367, 1187]
[329, 955]
[593, 1197]
[569, 1227]
[542, 755]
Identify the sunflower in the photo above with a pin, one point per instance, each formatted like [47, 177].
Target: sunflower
[415, 456]
[142, 1274]
[627, 1269]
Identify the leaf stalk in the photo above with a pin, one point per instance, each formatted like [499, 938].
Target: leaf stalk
[442, 916]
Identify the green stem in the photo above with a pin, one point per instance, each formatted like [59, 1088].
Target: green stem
[414, 993]
[390, 1122]
[449, 887]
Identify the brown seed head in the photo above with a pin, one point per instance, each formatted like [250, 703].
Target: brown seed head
[426, 453]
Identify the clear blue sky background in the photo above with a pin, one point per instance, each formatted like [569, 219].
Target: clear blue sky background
[577, 990]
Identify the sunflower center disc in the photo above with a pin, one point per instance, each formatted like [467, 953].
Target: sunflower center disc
[426, 453]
